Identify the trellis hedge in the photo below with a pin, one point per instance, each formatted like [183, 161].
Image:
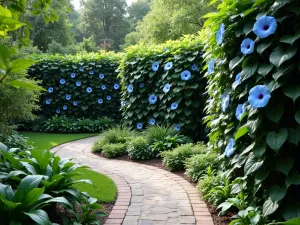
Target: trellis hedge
[252, 51]
[83, 86]
[164, 85]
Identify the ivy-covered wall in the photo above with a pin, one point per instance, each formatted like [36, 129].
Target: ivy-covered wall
[252, 51]
[164, 85]
[83, 86]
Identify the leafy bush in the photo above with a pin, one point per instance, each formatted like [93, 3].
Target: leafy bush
[119, 134]
[114, 150]
[78, 86]
[16, 140]
[253, 107]
[197, 164]
[209, 181]
[174, 160]
[158, 133]
[138, 148]
[98, 145]
[155, 77]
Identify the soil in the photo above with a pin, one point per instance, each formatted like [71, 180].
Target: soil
[218, 220]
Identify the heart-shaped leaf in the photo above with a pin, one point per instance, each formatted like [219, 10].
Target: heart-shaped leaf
[241, 132]
[275, 113]
[290, 39]
[280, 55]
[277, 193]
[235, 62]
[269, 207]
[264, 69]
[276, 140]
[259, 150]
[248, 71]
[294, 135]
[293, 178]
[285, 165]
[262, 47]
[292, 91]
[252, 164]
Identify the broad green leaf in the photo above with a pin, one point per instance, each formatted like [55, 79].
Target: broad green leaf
[294, 135]
[32, 196]
[252, 164]
[259, 150]
[235, 62]
[291, 210]
[285, 165]
[280, 55]
[262, 47]
[269, 207]
[241, 132]
[26, 85]
[292, 91]
[293, 178]
[290, 39]
[297, 116]
[39, 216]
[264, 69]
[248, 71]
[283, 71]
[28, 183]
[294, 221]
[277, 193]
[275, 113]
[276, 140]
[253, 124]
[19, 65]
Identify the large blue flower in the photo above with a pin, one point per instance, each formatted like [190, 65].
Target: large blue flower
[259, 96]
[220, 34]
[57, 111]
[152, 121]
[48, 101]
[211, 66]
[142, 85]
[155, 66]
[62, 81]
[103, 87]
[75, 103]
[130, 88]
[240, 110]
[68, 97]
[50, 89]
[186, 75]
[167, 88]
[81, 69]
[229, 150]
[152, 99]
[78, 83]
[168, 66]
[177, 127]
[91, 72]
[100, 100]
[247, 46]
[225, 102]
[139, 126]
[237, 81]
[194, 67]
[101, 76]
[265, 26]
[73, 75]
[116, 86]
[174, 105]
[89, 89]
[108, 97]
[65, 107]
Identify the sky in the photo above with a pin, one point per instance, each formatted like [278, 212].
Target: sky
[76, 3]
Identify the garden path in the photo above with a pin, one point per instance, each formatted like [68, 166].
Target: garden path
[146, 195]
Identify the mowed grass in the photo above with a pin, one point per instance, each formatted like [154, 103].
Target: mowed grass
[104, 189]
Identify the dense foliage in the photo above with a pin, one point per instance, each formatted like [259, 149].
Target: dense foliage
[252, 48]
[163, 85]
[84, 86]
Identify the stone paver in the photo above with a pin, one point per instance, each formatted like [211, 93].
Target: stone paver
[146, 195]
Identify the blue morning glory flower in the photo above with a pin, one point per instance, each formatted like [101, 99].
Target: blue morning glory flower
[73, 75]
[100, 100]
[101, 75]
[57, 111]
[177, 127]
[168, 66]
[123, 103]
[167, 88]
[247, 46]
[108, 97]
[211, 66]
[116, 86]
[220, 34]
[186, 75]
[237, 81]
[230, 148]
[259, 96]
[139, 126]
[130, 88]
[240, 110]
[89, 89]
[174, 105]
[91, 72]
[265, 26]
[50, 89]
[78, 83]
[68, 97]
[155, 66]
[194, 67]
[81, 69]
[152, 99]
[142, 85]
[48, 101]
[103, 87]
[225, 102]
[75, 103]
[65, 107]
[152, 121]
[62, 81]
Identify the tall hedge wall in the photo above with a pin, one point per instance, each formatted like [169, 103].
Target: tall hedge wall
[252, 48]
[79, 86]
[164, 85]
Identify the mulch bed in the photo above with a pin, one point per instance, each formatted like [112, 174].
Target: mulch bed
[218, 220]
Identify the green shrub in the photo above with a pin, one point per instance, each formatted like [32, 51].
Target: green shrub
[114, 150]
[119, 134]
[138, 148]
[98, 145]
[15, 140]
[174, 160]
[158, 133]
[208, 182]
[197, 164]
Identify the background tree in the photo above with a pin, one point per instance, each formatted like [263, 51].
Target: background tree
[137, 10]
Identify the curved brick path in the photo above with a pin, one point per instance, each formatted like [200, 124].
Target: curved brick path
[146, 195]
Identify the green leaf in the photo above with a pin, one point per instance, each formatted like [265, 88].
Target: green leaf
[290, 39]
[269, 207]
[275, 113]
[26, 85]
[241, 132]
[235, 62]
[32, 196]
[39, 216]
[294, 135]
[292, 91]
[262, 47]
[291, 210]
[259, 150]
[28, 183]
[19, 65]
[276, 140]
[279, 55]
[264, 69]
[248, 71]
[285, 165]
[294, 221]
[252, 164]
[297, 116]
[293, 178]
[283, 71]
[277, 193]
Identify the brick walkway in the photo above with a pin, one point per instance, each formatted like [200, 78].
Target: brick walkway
[146, 195]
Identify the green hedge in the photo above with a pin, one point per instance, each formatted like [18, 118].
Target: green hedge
[81, 78]
[254, 105]
[146, 70]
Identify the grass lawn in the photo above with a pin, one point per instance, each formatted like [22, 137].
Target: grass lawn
[104, 189]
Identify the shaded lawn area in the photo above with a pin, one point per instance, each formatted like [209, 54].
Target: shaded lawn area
[104, 189]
